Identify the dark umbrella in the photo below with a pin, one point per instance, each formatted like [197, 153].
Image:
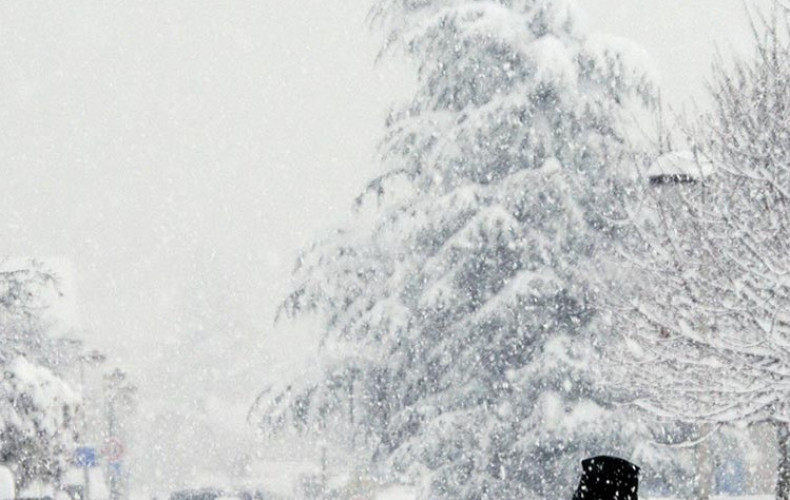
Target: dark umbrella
[608, 478]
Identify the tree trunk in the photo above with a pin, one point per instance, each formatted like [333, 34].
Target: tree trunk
[783, 469]
[704, 466]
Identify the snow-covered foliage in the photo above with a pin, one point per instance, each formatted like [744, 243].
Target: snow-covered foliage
[24, 293]
[37, 420]
[718, 260]
[707, 310]
[38, 409]
[459, 336]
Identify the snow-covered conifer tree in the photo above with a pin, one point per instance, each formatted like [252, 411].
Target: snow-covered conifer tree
[38, 409]
[38, 421]
[459, 335]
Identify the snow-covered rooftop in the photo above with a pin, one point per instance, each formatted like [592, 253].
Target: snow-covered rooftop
[679, 166]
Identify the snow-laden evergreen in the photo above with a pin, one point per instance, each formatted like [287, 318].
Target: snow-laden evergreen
[459, 337]
[38, 413]
[38, 410]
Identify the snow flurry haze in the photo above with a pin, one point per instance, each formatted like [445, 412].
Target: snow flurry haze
[349, 248]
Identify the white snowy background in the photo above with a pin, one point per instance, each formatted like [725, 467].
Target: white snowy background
[176, 155]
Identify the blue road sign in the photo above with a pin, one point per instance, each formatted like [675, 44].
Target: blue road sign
[85, 456]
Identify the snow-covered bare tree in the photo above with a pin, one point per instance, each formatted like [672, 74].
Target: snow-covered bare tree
[457, 329]
[708, 317]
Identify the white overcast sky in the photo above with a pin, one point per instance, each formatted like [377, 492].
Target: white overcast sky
[168, 147]
[146, 141]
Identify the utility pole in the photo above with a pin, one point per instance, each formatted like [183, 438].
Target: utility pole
[92, 358]
[120, 394]
[114, 381]
[704, 465]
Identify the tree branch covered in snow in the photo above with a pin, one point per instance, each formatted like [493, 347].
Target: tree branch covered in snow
[713, 260]
[706, 301]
